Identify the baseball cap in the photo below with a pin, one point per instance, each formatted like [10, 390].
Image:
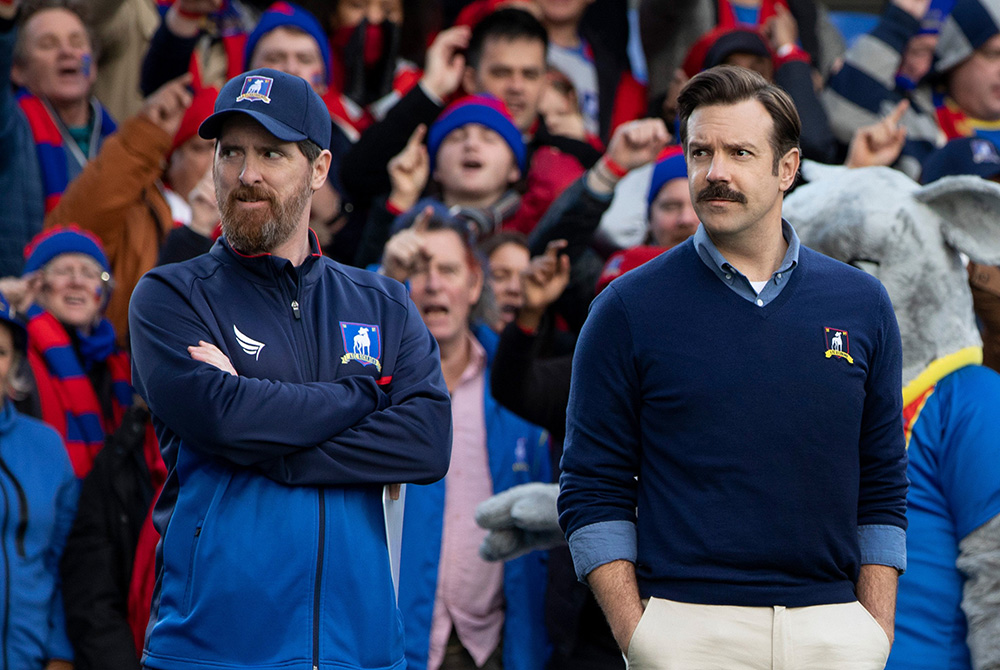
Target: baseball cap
[716, 45]
[284, 104]
[965, 155]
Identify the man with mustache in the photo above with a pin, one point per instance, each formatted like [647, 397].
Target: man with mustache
[734, 486]
[291, 395]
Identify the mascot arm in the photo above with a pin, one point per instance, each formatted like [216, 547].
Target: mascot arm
[979, 561]
[520, 520]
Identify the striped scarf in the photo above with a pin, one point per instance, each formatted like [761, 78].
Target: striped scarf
[68, 399]
[49, 143]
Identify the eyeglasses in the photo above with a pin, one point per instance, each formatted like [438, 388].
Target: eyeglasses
[85, 273]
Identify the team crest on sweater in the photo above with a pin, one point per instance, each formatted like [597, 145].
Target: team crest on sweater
[362, 343]
[256, 88]
[838, 344]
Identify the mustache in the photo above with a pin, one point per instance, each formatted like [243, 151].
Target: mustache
[719, 191]
[251, 192]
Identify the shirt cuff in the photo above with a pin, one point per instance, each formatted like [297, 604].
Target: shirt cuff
[430, 95]
[600, 543]
[882, 544]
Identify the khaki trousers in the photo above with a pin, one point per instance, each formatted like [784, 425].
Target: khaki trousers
[685, 636]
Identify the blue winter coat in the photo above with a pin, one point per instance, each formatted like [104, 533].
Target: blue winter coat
[37, 503]
[518, 454]
[274, 551]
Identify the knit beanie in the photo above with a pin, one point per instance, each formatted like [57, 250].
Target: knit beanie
[669, 165]
[288, 15]
[64, 240]
[970, 24]
[202, 106]
[484, 110]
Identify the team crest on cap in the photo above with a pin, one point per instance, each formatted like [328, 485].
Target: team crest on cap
[362, 343]
[838, 344]
[983, 151]
[256, 88]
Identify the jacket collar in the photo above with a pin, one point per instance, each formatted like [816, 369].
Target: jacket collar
[266, 267]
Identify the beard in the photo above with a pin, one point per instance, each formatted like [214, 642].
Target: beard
[262, 230]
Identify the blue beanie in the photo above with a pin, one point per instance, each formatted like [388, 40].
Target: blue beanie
[57, 241]
[484, 110]
[670, 166]
[284, 15]
[20, 335]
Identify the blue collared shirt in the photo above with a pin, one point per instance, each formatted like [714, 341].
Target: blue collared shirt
[608, 541]
[737, 281]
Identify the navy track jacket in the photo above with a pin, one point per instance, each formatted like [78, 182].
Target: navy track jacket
[274, 550]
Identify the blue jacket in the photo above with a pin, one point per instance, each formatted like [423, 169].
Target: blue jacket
[518, 454]
[20, 177]
[954, 472]
[274, 549]
[33, 529]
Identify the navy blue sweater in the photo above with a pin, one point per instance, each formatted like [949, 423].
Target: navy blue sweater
[757, 453]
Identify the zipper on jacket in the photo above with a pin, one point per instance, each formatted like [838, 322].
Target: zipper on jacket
[295, 309]
[189, 586]
[319, 577]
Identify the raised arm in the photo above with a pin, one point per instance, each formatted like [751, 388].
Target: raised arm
[864, 89]
[129, 162]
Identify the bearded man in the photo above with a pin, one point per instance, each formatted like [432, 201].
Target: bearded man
[280, 432]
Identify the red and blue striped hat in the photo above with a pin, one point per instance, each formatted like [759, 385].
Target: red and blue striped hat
[63, 240]
[669, 165]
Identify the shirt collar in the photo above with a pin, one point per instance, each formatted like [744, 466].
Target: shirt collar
[714, 259]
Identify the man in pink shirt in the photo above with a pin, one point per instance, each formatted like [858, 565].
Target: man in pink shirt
[459, 611]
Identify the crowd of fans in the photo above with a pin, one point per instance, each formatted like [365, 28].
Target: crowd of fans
[498, 156]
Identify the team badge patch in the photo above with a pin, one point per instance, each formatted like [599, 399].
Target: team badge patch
[362, 343]
[984, 152]
[838, 344]
[256, 88]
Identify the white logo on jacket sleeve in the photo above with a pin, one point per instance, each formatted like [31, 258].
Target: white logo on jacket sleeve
[249, 345]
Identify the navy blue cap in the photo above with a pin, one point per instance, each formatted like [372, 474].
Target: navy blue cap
[284, 104]
[965, 155]
[16, 327]
[737, 40]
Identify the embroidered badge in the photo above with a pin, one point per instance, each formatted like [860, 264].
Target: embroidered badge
[361, 343]
[837, 344]
[256, 88]
[521, 456]
[984, 152]
[250, 346]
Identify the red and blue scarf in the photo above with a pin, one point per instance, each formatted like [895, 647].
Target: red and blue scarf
[49, 143]
[68, 399]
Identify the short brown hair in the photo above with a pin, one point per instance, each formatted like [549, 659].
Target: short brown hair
[32, 7]
[729, 85]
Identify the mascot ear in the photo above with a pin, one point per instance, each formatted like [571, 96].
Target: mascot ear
[968, 207]
[813, 171]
